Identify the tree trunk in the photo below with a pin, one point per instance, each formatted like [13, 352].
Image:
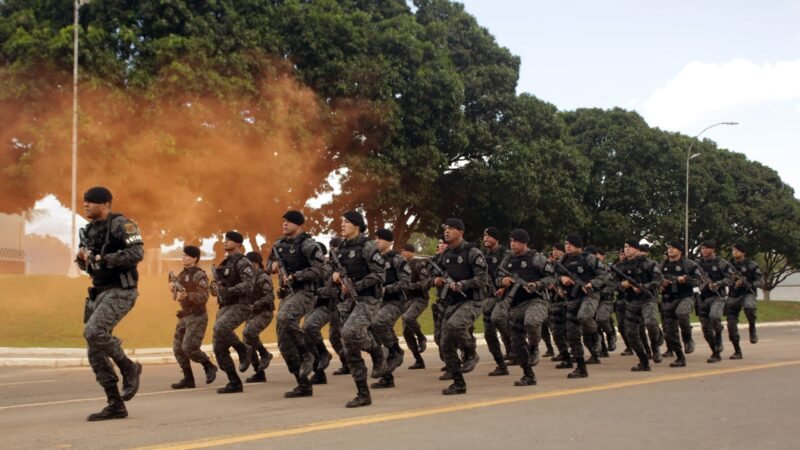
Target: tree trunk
[766, 294]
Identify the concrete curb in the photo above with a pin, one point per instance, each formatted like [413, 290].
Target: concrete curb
[76, 357]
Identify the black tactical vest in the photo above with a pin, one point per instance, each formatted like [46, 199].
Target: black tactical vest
[100, 241]
[291, 253]
[392, 275]
[352, 258]
[672, 270]
[579, 266]
[745, 269]
[524, 267]
[186, 279]
[229, 277]
[456, 263]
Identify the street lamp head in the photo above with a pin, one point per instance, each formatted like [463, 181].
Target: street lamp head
[694, 156]
[730, 123]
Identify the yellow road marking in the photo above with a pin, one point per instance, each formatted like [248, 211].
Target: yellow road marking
[94, 399]
[26, 382]
[411, 414]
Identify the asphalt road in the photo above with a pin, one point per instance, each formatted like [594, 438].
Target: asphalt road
[749, 404]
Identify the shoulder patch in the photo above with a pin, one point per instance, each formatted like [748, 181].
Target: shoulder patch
[480, 262]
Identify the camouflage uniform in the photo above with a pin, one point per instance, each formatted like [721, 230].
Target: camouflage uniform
[496, 313]
[744, 297]
[119, 245]
[466, 265]
[192, 321]
[417, 293]
[605, 323]
[261, 313]
[304, 262]
[528, 310]
[397, 275]
[365, 267]
[677, 302]
[642, 308]
[712, 302]
[234, 289]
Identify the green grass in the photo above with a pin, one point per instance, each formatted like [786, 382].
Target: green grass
[47, 311]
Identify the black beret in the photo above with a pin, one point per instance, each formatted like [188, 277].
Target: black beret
[323, 248]
[97, 194]
[709, 243]
[559, 246]
[676, 244]
[255, 258]
[633, 243]
[591, 249]
[335, 242]
[575, 240]
[520, 235]
[191, 250]
[644, 247]
[295, 217]
[409, 248]
[493, 232]
[234, 236]
[600, 251]
[385, 234]
[739, 245]
[458, 224]
[356, 219]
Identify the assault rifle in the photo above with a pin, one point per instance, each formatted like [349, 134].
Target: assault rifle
[578, 283]
[283, 273]
[215, 285]
[633, 282]
[746, 284]
[439, 272]
[177, 287]
[346, 280]
[511, 292]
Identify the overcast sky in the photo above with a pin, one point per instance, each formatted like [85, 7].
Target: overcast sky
[682, 64]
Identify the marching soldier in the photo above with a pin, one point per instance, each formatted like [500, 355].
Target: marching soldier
[417, 293]
[718, 277]
[747, 279]
[262, 309]
[681, 276]
[495, 314]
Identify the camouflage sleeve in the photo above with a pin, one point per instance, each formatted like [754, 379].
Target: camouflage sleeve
[315, 258]
[600, 273]
[694, 273]
[480, 274]
[546, 270]
[727, 271]
[423, 276]
[403, 275]
[246, 278]
[271, 259]
[756, 277]
[264, 292]
[377, 273]
[133, 253]
[200, 296]
[656, 277]
[498, 279]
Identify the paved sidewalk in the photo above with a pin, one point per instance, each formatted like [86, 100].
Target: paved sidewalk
[76, 357]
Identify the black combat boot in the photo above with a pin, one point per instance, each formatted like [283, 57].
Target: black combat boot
[603, 349]
[580, 371]
[324, 359]
[626, 352]
[533, 359]
[258, 377]
[447, 376]
[557, 358]
[459, 386]
[737, 350]
[422, 343]
[363, 398]
[114, 410]
[319, 377]
[188, 379]
[245, 353]
[234, 383]
[344, 370]
[753, 333]
[130, 380]
[644, 364]
[303, 388]
[714, 358]
[395, 358]
[566, 361]
[471, 359]
[528, 378]
[612, 341]
[657, 357]
[688, 343]
[419, 363]
[211, 371]
[266, 358]
[681, 359]
[499, 371]
[378, 362]
[306, 364]
[385, 382]
[549, 345]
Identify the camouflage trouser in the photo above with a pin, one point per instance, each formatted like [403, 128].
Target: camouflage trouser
[228, 319]
[677, 315]
[437, 309]
[107, 310]
[526, 321]
[604, 321]
[732, 308]
[558, 325]
[256, 324]
[457, 322]
[581, 322]
[710, 312]
[412, 331]
[188, 338]
[619, 309]
[356, 335]
[291, 338]
[496, 318]
[383, 327]
[638, 313]
[312, 327]
[343, 310]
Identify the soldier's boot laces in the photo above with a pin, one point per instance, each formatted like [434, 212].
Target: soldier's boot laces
[115, 409]
[211, 372]
[753, 334]
[580, 371]
[130, 381]
[363, 397]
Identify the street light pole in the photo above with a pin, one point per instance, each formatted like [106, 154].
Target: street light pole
[689, 157]
[73, 273]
